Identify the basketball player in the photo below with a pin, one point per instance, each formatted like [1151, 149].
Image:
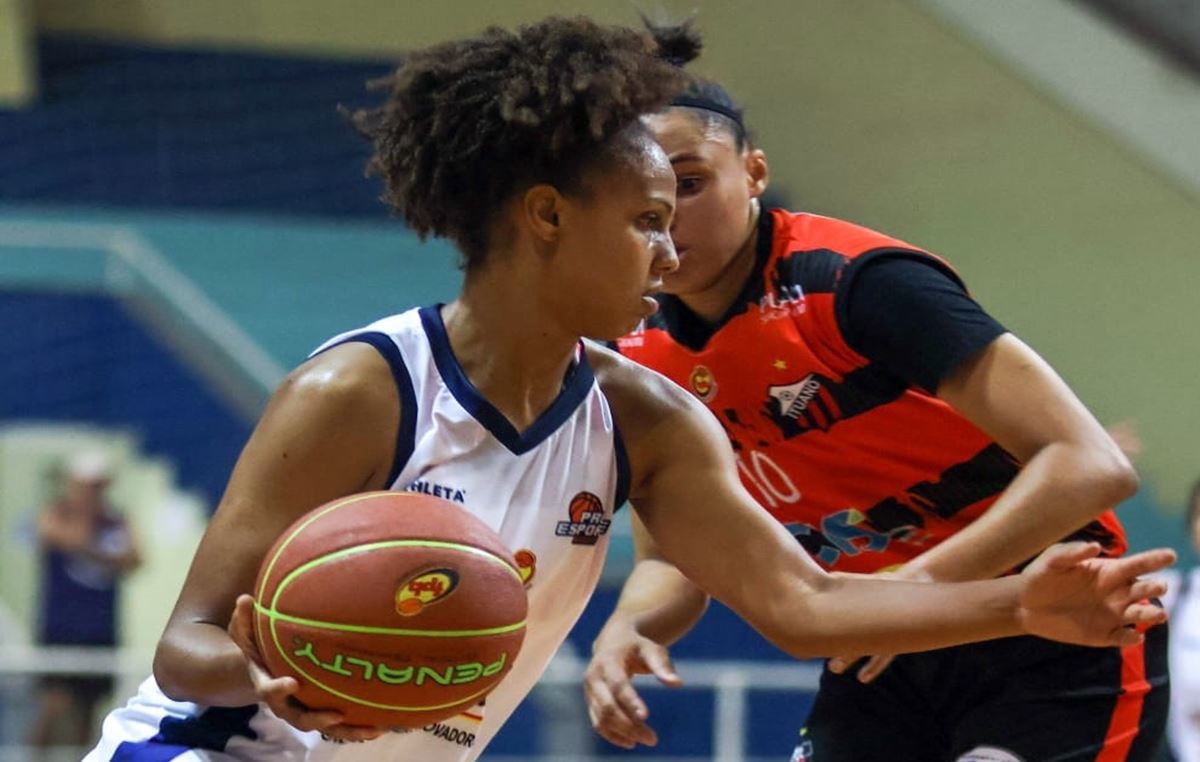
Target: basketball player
[525, 149]
[888, 423]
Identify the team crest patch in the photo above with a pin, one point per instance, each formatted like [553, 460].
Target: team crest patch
[703, 383]
[587, 522]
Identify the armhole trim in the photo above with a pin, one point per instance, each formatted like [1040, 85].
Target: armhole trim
[623, 470]
[407, 433]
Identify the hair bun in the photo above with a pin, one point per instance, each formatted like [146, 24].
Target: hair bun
[678, 44]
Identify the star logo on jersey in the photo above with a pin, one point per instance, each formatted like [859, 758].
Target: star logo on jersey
[703, 383]
[587, 522]
[779, 365]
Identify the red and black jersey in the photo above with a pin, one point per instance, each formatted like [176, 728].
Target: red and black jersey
[865, 468]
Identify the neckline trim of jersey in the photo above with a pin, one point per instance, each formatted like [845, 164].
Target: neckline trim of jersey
[576, 387]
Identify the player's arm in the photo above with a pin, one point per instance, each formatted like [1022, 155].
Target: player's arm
[658, 606]
[328, 431]
[686, 490]
[1073, 470]
[657, 601]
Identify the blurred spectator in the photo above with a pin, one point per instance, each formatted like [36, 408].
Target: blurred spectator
[1183, 601]
[86, 547]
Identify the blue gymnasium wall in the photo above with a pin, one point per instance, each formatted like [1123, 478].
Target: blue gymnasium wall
[165, 129]
[83, 358]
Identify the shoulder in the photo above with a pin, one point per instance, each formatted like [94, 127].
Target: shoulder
[658, 419]
[349, 375]
[639, 396]
[343, 399]
[804, 231]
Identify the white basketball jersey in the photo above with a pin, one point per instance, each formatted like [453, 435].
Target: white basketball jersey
[1183, 602]
[549, 492]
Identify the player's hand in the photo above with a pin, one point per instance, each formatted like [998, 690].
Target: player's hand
[870, 669]
[1073, 596]
[874, 666]
[616, 710]
[278, 693]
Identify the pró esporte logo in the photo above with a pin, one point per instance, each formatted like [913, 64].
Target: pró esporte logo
[587, 521]
[417, 592]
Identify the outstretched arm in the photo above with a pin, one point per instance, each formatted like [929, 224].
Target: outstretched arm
[704, 522]
[687, 493]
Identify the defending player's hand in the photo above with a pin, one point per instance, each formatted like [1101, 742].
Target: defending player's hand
[1073, 596]
[616, 710]
[869, 669]
[279, 693]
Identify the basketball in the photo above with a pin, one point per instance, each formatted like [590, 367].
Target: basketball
[396, 609]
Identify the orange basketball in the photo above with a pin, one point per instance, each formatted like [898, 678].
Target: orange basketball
[397, 609]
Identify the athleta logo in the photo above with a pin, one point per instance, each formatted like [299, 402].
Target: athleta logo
[587, 524]
[438, 490]
[793, 399]
[425, 588]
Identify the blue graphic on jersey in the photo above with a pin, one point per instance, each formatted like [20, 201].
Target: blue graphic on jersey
[177, 735]
[841, 533]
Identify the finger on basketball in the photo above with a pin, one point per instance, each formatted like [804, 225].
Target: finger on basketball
[273, 689]
[241, 622]
[320, 721]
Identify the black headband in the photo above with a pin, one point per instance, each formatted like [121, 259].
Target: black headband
[691, 101]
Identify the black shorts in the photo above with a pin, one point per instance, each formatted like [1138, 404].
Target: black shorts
[1018, 699]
